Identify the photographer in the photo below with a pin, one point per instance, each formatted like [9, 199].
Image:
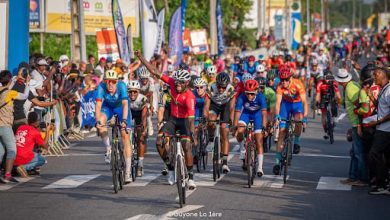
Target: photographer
[27, 137]
[22, 79]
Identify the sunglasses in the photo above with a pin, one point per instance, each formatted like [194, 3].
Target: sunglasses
[133, 92]
[285, 80]
[180, 82]
[221, 87]
[111, 81]
[250, 93]
[200, 87]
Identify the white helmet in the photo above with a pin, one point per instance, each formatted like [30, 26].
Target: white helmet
[211, 70]
[200, 82]
[171, 68]
[63, 58]
[260, 68]
[300, 58]
[246, 77]
[133, 84]
[314, 62]
[181, 75]
[143, 73]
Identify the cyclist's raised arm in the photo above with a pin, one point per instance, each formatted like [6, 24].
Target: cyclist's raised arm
[148, 65]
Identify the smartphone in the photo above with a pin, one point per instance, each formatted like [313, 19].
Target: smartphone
[25, 73]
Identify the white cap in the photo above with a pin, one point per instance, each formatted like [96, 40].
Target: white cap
[343, 76]
[42, 62]
[63, 57]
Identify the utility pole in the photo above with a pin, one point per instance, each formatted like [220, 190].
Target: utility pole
[213, 27]
[166, 6]
[308, 20]
[78, 32]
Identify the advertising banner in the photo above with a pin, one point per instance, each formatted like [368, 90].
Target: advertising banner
[97, 15]
[121, 35]
[199, 41]
[130, 41]
[160, 36]
[296, 25]
[221, 43]
[3, 36]
[107, 44]
[149, 27]
[35, 14]
[176, 38]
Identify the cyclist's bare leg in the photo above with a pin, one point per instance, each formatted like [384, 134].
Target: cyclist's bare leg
[126, 149]
[240, 132]
[103, 132]
[163, 150]
[187, 147]
[298, 126]
[260, 151]
[279, 145]
[225, 142]
[141, 147]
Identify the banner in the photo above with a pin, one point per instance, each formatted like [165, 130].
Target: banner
[97, 15]
[221, 45]
[176, 37]
[186, 39]
[3, 35]
[296, 25]
[130, 41]
[120, 32]
[183, 13]
[107, 44]
[199, 41]
[88, 103]
[149, 27]
[160, 36]
[35, 14]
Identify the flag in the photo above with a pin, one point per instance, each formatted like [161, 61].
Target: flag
[221, 46]
[88, 103]
[130, 41]
[296, 25]
[160, 36]
[176, 37]
[120, 32]
[149, 27]
[183, 13]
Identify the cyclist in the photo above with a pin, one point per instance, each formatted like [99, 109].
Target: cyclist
[290, 100]
[200, 95]
[139, 113]
[181, 118]
[270, 96]
[221, 103]
[240, 86]
[251, 65]
[301, 69]
[112, 98]
[210, 75]
[314, 75]
[261, 71]
[147, 89]
[163, 113]
[289, 62]
[322, 98]
[251, 106]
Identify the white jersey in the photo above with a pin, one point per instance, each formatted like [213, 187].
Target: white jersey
[323, 61]
[139, 103]
[221, 99]
[149, 87]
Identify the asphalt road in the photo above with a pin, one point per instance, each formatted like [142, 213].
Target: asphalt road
[78, 186]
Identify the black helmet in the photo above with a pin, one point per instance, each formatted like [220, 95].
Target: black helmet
[223, 79]
[260, 80]
[367, 72]
[327, 72]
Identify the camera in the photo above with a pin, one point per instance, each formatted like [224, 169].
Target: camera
[25, 73]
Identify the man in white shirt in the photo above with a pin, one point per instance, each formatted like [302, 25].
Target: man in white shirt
[381, 144]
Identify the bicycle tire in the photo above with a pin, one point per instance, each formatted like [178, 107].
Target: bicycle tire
[179, 180]
[205, 153]
[215, 159]
[134, 158]
[286, 162]
[219, 166]
[330, 126]
[114, 170]
[198, 152]
[249, 166]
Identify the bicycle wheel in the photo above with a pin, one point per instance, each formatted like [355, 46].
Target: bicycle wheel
[114, 169]
[215, 159]
[249, 167]
[198, 152]
[286, 161]
[219, 166]
[330, 126]
[179, 180]
[204, 145]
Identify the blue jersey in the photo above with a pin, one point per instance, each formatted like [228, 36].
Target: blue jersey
[251, 69]
[115, 100]
[199, 104]
[246, 106]
[235, 67]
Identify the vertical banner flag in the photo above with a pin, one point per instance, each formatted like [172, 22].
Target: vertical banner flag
[149, 27]
[296, 25]
[35, 14]
[120, 32]
[107, 44]
[221, 46]
[160, 36]
[183, 22]
[130, 41]
[176, 37]
[88, 102]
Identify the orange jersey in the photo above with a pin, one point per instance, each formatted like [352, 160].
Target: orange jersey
[293, 92]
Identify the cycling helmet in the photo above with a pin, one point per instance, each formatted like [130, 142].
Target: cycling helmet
[275, 53]
[261, 57]
[251, 86]
[285, 73]
[143, 73]
[181, 75]
[223, 79]
[300, 59]
[111, 74]
[171, 68]
[199, 82]
[251, 58]
[246, 77]
[260, 80]
[314, 62]
[367, 72]
[327, 72]
[260, 68]
[237, 58]
[64, 58]
[211, 70]
[133, 84]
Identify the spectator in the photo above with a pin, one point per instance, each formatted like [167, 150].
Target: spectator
[101, 67]
[91, 60]
[39, 74]
[27, 137]
[357, 170]
[83, 67]
[7, 139]
[381, 142]
[109, 64]
[20, 85]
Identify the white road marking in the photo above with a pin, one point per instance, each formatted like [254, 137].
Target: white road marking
[175, 214]
[342, 115]
[332, 183]
[144, 180]
[188, 193]
[270, 181]
[71, 181]
[321, 155]
[4, 187]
